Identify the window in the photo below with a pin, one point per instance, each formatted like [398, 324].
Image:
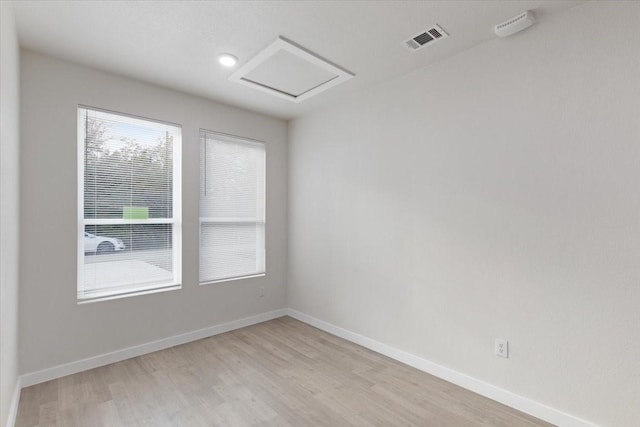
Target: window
[129, 211]
[232, 207]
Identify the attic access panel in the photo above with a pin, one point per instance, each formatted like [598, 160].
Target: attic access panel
[289, 72]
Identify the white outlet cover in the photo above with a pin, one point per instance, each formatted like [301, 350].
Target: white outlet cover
[501, 348]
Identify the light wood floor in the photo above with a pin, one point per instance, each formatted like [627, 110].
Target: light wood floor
[278, 373]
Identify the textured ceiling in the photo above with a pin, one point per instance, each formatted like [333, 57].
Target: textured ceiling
[175, 43]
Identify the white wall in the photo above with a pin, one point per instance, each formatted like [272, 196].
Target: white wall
[9, 203]
[494, 194]
[53, 328]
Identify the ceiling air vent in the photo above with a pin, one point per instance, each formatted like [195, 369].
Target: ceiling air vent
[515, 24]
[429, 36]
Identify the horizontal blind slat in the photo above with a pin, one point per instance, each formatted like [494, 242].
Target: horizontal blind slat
[98, 221]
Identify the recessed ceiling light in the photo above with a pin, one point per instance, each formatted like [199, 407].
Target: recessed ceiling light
[227, 60]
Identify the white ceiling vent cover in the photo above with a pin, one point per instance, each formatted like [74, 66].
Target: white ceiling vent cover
[427, 37]
[515, 24]
[290, 72]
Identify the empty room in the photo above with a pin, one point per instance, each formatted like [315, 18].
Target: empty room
[320, 213]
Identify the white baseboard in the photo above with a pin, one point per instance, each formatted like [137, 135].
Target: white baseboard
[127, 353]
[15, 399]
[498, 394]
[485, 389]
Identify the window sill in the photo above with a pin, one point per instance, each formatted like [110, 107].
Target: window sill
[105, 296]
[231, 279]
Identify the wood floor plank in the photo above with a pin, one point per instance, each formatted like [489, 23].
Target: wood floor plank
[277, 373]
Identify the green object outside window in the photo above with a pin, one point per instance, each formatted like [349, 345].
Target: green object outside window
[135, 212]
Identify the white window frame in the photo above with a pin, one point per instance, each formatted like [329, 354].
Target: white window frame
[176, 219]
[260, 243]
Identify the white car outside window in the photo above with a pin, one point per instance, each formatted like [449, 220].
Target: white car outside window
[101, 244]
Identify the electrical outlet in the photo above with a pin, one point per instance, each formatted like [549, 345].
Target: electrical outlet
[501, 348]
[261, 291]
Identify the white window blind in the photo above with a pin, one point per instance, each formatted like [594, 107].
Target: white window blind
[232, 207]
[129, 205]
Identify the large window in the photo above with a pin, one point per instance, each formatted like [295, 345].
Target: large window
[129, 227]
[232, 207]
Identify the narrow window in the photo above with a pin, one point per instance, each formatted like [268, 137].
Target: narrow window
[232, 207]
[129, 205]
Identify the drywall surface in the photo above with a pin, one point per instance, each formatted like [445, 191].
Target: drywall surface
[53, 328]
[9, 218]
[492, 195]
